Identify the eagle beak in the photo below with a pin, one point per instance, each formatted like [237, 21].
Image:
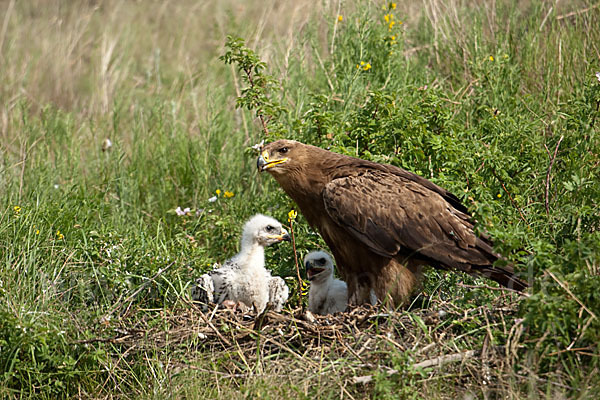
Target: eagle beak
[284, 236]
[312, 271]
[264, 162]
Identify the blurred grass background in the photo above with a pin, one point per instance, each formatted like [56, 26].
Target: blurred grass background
[462, 82]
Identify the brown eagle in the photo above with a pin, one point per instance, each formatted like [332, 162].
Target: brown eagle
[382, 223]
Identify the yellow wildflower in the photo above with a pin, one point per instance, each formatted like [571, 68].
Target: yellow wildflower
[37, 231]
[17, 209]
[228, 194]
[292, 215]
[392, 23]
[367, 67]
[218, 192]
[491, 58]
[340, 18]
[388, 17]
[59, 235]
[499, 195]
[393, 6]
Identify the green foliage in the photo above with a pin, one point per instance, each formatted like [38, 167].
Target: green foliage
[498, 104]
[255, 96]
[40, 359]
[529, 180]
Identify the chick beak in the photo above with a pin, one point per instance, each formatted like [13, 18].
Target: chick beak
[312, 271]
[284, 236]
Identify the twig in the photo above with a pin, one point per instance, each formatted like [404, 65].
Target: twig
[258, 112]
[239, 94]
[567, 350]
[335, 24]
[546, 202]
[504, 289]
[207, 320]
[445, 359]
[142, 287]
[582, 11]
[545, 19]
[331, 87]
[296, 262]
[566, 288]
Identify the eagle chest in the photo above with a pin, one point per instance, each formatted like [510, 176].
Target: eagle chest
[347, 254]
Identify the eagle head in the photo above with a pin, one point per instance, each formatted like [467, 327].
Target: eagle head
[319, 266]
[280, 156]
[264, 231]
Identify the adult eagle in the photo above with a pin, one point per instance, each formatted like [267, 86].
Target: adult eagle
[383, 224]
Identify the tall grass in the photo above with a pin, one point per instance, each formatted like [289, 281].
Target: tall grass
[477, 96]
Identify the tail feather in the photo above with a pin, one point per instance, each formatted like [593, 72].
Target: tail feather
[505, 276]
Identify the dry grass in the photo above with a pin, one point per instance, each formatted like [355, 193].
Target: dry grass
[84, 56]
[460, 350]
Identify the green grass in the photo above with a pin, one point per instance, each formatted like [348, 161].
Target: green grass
[476, 98]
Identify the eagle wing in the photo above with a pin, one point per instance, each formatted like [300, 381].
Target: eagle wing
[391, 213]
[278, 292]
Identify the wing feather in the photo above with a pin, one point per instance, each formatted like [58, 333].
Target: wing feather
[390, 213]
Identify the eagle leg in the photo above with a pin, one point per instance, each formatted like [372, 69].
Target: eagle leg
[360, 289]
[398, 281]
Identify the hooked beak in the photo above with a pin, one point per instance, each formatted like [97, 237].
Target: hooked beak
[284, 236]
[311, 271]
[264, 162]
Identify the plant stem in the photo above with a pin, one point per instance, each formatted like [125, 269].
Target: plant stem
[297, 267]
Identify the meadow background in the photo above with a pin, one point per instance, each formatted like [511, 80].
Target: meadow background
[496, 101]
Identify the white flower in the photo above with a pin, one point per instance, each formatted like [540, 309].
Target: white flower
[212, 199]
[107, 144]
[181, 212]
[598, 76]
[259, 146]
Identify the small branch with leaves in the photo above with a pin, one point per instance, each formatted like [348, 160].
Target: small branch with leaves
[256, 95]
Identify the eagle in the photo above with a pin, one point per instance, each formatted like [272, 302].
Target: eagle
[383, 224]
[244, 278]
[327, 295]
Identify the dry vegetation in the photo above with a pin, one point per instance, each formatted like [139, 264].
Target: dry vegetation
[350, 350]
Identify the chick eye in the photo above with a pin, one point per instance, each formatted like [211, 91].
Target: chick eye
[269, 228]
[321, 261]
[283, 150]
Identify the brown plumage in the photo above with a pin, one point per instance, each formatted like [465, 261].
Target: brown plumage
[383, 224]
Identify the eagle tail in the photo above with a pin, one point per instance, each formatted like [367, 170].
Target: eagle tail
[504, 275]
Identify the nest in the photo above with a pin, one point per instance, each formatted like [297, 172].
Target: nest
[360, 346]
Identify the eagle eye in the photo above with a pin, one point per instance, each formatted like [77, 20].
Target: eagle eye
[283, 150]
[321, 261]
[269, 228]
